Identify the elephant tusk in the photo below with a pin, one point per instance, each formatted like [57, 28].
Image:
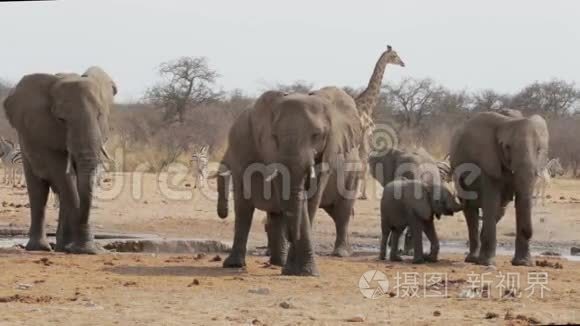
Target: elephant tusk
[226, 173]
[68, 164]
[216, 174]
[312, 172]
[105, 153]
[271, 176]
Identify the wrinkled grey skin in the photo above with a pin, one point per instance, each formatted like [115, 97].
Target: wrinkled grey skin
[413, 165]
[415, 204]
[57, 117]
[297, 131]
[510, 151]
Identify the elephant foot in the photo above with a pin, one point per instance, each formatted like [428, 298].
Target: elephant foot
[396, 258]
[84, 248]
[277, 261]
[308, 269]
[382, 257]
[418, 260]
[234, 261]
[471, 258]
[342, 251]
[38, 245]
[485, 261]
[431, 258]
[362, 197]
[523, 261]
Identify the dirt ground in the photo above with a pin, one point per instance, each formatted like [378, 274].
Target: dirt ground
[171, 289]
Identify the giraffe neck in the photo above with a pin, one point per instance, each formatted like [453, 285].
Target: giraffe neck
[368, 99]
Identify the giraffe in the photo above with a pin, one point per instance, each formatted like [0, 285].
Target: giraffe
[366, 102]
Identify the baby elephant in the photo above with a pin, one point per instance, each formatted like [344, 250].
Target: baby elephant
[414, 203]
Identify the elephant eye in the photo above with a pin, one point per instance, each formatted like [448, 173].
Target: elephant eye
[316, 137]
[275, 138]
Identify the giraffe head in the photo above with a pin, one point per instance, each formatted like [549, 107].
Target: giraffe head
[392, 57]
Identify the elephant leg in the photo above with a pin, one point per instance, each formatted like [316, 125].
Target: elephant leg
[65, 188]
[395, 236]
[522, 256]
[491, 203]
[386, 231]
[416, 228]
[64, 232]
[277, 241]
[341, 213]
[408, 243]
[300, 260]
[431, 233]
[471, 213]
[363, 183]
[74, 234]
[37, 195]
[55, 203]
[244, 211]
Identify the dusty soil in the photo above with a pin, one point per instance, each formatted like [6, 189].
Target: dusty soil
[171, 289]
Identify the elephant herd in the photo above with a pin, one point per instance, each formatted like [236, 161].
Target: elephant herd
[287, 155]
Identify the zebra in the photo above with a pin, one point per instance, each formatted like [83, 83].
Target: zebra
[201, 159]
[444, 168]
[552, 169]
[11, 157]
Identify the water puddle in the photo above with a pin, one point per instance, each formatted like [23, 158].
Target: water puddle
[503, 249]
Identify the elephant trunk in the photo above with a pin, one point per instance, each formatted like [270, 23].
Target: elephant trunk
[223, 184]
[86, 165]
[294, 208]
[524, 187]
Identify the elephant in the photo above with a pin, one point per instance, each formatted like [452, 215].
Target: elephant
[496, 157]
[287, 156]
[414, 203]
[62, 124]
[396, 163]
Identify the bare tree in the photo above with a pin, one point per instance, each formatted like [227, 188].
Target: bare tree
[187, 83]
[298, 86]
[413, 99]
[489, 100]
[555, 98]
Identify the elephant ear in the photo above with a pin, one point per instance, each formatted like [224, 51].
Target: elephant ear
[31, 92]
[261, 119]
[345, 130]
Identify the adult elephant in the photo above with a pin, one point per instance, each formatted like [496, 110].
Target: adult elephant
[396, 163]
[286, 156]
[62, 124]
[496, 157]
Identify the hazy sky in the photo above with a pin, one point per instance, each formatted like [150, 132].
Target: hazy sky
[254, 44]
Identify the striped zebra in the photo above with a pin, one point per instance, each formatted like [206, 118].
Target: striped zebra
[445, 169]
[200, 158]
[11, 157]
[552, 169]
